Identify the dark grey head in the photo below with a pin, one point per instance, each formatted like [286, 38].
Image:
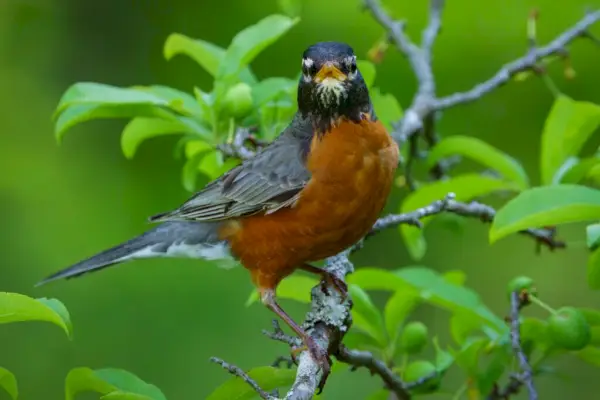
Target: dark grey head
[331, 86]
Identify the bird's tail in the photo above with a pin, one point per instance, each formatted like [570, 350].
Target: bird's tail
[182, 239]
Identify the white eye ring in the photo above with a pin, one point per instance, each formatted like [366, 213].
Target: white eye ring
[307, 62]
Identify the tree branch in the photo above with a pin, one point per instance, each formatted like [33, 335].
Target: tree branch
[527, 62]
[515, 336]
[525, 377]
[243, 144]
[473, 209]
[236, 371]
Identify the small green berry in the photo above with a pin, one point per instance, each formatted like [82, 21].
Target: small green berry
[569, 329]
[238, 100]
[414, 337]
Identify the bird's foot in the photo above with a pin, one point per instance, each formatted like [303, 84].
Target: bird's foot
[328, 279]
[337, 283]
[318, 354]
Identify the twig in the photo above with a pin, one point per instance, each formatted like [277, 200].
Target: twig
[366, 359]
[238, 146]
[527, 62]
[433, 28]
[473, 209]
[420, 115]
[280, 336]
[232, 369]
[515, 335]
[513, 387]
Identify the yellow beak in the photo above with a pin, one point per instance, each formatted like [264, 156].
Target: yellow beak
[328, 70]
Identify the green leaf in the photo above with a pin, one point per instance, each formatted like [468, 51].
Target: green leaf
[593, 270]
[575, 170]
[467, 357]
[360, 340]
[142, 128]
[377, 279]
[368, 72]
[543, 206]
[592, 236]
[249, 42]
[295, 287]
[59, 308]
[436, 290]
[270, 89]
[481, 152]
[180, 101]
[291, 8]
[462, 326]
[568, 126]
[465, 187]
[206, 101]
[9, 383]
[397, 309]
[15, 307]
[590, 355]
[190, 170]
[92, 93]
[496, 364]
[86, 101]
[208, 55]
[443, 358]
[365, 316]
[386, 107]
[456, 277]
[213, 164]
[268, 378]
[534, 335]
[107, 381]
[275, 116]
[592, 316]
[432, 288]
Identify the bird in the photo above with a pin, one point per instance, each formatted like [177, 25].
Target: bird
[312, 192]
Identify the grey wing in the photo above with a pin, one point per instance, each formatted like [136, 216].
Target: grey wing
[269, 181]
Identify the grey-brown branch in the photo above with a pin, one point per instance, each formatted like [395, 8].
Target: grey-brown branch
[329, 317]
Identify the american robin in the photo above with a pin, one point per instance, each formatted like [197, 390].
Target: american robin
[314, 191]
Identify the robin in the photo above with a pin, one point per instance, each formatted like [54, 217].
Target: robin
[314, 191]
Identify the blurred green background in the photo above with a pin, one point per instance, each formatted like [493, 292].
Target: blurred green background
[163, 319]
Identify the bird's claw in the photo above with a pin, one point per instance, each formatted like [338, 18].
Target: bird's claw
[319, 355]
[337, 283]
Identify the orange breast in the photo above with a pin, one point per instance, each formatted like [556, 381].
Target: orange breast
[352, 170]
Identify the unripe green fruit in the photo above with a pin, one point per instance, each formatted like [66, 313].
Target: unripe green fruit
[421, 369]
[519, 284]
[238, 100]
[414, 337]
[569, 329]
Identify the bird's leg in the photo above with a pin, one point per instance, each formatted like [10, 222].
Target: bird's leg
[319, 354]
[328, 277]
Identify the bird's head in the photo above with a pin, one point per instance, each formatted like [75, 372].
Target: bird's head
[331, 86]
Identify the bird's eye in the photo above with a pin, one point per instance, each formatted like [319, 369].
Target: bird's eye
[308, 66]
[351, 64]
